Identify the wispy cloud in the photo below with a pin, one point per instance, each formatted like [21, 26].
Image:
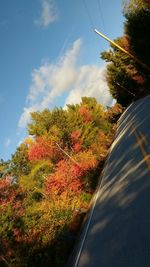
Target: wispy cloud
[7, 142]
[49, 13]
[52, 80]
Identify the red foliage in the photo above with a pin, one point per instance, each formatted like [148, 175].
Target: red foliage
[17, 235]
[65, 178]
[86, 114]
[10, 195]
[77, 147]
[76, 141]
[75, 136]
[42, 149]
[6, 195]
[139, 79]
[67, 174]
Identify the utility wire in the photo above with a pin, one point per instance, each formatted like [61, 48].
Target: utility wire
[88, 14]
[122, 87]
[101, 14]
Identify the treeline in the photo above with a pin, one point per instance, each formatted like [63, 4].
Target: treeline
[47, 184]
[129, 77]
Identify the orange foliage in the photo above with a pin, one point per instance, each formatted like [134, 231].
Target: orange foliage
[42, 149]
[87, 161]
[76, 141]
[114, 113]
[66, 177]
[67, 174]
[77, 147]
[101, 147]
[75, 136]
[5, 183]
[86, 114]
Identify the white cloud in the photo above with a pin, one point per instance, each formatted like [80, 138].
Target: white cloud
[25, 117]
[91, 82]
[51, 80]
[48, 14]
[7, 142]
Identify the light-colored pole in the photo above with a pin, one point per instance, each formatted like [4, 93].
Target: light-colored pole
[122, 49]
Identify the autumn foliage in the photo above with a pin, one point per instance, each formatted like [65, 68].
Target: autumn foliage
[66, 176]
[76, 141]
[48, 182]
[42, 149]
[85, 113]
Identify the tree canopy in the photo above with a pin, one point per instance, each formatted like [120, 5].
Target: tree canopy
[49, 180]
[128, 77]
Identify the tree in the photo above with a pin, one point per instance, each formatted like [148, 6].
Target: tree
[42, 122]
[128, 77]
[135, 5]
[124, 80]
[19, 163]
[137, 29]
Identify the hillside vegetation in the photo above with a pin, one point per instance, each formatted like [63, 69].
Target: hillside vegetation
[48, 183]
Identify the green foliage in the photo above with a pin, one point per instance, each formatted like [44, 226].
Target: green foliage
[137, 29]
[57, 171]
[32, 183]
[41, 170]
[4, 167]
[135, 6]
[19, 164]
[128, 77]
[86, 197]
[43, 121]
[123, 79]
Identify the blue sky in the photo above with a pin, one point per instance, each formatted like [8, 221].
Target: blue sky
[50, 57]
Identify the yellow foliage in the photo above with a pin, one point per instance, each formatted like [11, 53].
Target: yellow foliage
[28, 141]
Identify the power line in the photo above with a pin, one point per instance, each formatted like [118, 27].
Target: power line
[88, 13]
[122, 87]
[101, 14]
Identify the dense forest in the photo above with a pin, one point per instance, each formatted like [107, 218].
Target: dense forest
[47, 185]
